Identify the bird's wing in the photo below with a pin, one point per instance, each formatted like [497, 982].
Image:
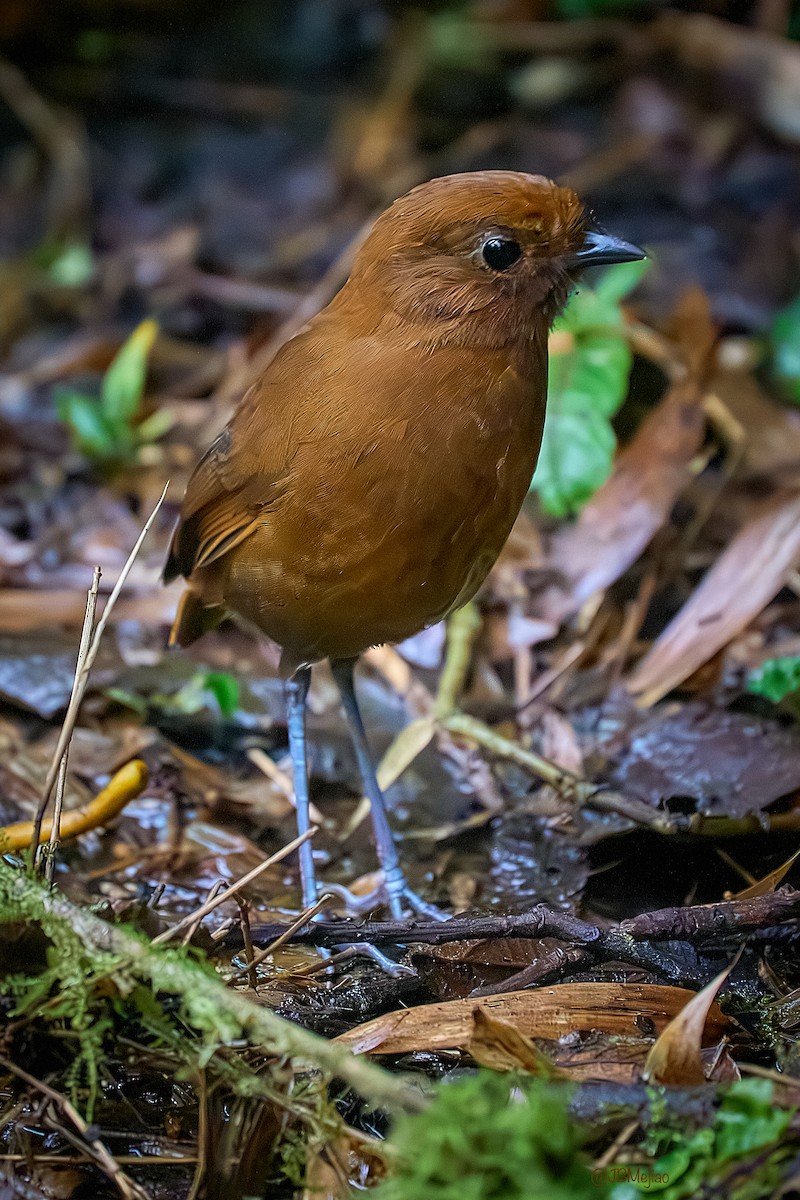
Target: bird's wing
[240, 476]
[248, 467]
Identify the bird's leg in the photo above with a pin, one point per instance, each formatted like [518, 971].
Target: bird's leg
[296, 692]
[395, 884]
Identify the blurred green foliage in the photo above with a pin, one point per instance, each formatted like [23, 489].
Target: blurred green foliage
[776, 679]
[576, 10]
[72, 265]
[107, 428]
[204, 690]
[589, 373]
[711, 1161]
[481, 1140]
[492, 1137]
[784, 339]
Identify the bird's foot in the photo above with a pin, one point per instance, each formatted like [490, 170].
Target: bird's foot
[401, 900]
[366, 950]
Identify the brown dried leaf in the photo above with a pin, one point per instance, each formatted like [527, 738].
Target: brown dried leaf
[763, 887]
[740, 584]
[731, 764]
[409, 743]
[501, 1047]
[350, 1161]
[675, 1057]
[551, 1012]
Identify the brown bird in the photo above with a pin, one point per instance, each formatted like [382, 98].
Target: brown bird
[366, 484]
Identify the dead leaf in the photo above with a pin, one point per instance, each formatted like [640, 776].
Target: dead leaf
[501, 1047]
[731, 764]
[675, 1057]
[409, 743]
[749, 573]
[763, 887]
[350, 1161]
[617, 1008]
[771, 431]
[560, 742]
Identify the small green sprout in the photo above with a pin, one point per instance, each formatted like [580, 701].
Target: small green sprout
[107, 428]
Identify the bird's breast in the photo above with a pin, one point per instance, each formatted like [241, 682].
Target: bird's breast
[384, 530]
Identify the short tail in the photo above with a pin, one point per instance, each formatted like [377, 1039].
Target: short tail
[194, 618]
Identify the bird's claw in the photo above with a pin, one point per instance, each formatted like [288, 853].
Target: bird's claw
[367, 950]
[392, 892]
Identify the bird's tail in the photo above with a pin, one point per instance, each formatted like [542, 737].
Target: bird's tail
[194, 618]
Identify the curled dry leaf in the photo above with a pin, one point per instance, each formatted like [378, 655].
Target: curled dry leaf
[763, 887]
[676, 1055]
[618, 1008]
[350, 1160]
[408, 744]
[744, 579]
[501, 1047]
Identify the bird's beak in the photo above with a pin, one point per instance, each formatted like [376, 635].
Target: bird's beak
[599, 248]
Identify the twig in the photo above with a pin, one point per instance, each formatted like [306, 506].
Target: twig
[82, 678]
[199, 1176]
[553, 963]
[249, 951]
[216, 892]
[255, 960]
[63, 139]
[539, 922]
[728, 917]
[195, 917]
[630, 941]
[104, 1159]
[259, 758]
[207, 1002]
[51, 849]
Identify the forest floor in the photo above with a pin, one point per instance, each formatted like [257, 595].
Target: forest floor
[595, 768]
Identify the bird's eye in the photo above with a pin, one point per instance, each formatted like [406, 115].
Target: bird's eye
[501, 253]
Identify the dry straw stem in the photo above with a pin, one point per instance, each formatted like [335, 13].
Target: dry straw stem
[82, 676]
[205, 997]
[61, 782]
[97, 1150]
[193, 918]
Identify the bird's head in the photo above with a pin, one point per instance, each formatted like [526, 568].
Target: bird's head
[481, 256]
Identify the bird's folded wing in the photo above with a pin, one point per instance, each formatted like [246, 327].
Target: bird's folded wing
[224, 503]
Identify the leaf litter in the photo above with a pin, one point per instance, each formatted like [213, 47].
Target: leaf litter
[611, 733]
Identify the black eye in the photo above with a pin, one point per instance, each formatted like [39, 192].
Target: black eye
[501, 253]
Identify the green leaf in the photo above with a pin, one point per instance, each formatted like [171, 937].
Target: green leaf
[155, 426]
[589, 375]
[87, 423]
[123, 383]
[577, 453]
[775, 679]
[748, 1120]
[225, 690]
[785, 342]
[73, 266]
[619, 281]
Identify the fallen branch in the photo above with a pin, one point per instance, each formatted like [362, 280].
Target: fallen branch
[627, 942]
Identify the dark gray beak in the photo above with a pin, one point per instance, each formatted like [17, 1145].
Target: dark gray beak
[602, 248]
